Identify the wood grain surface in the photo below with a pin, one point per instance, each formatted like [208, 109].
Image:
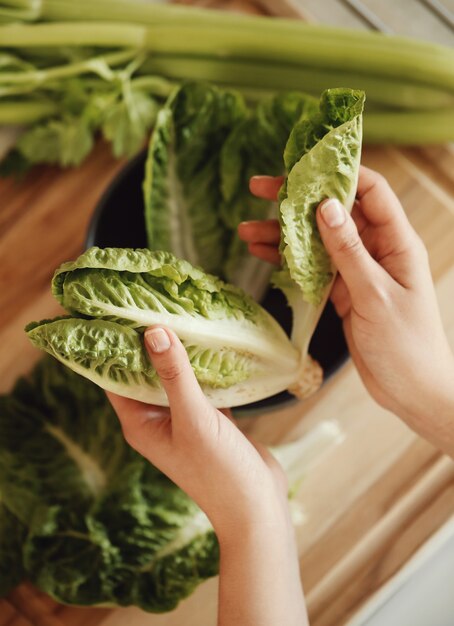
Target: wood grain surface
[369, 502]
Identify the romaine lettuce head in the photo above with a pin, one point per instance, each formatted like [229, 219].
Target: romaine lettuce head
[238, 351]
[182, 187]
[98, 523]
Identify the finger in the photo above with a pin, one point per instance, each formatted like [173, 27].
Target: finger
[379, 203]
[172, 365]
[366, 376]
[340, 297]
[341, 238]
[145, 427]
[267, 253]
[260, 231]
[266, 187]
[359, 218]
[126, 407]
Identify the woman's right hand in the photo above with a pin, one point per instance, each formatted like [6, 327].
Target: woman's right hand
[385, 295]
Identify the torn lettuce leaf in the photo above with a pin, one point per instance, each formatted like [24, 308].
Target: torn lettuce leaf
[323, 157]
[255, 146]
[238, 351]
[182, 182]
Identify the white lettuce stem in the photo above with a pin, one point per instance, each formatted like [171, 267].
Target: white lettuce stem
[217, 334]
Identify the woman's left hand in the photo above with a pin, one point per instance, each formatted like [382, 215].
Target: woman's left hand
[232, 479]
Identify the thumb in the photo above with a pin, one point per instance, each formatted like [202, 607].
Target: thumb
[343, 243]
[171, 362]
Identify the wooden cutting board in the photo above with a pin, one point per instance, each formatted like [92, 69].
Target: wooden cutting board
[369, 502]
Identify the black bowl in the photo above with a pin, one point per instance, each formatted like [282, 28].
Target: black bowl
[118, 221]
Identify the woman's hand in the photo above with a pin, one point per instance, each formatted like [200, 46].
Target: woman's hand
[385, 296]
[238, 484]
[200, 448]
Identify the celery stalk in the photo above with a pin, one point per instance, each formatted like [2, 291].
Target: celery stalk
[430, 65]
[73, 34]
[435, 69]
[272, 77]
[409, 128]
[146, 13]
[17, 113]
[40, 77]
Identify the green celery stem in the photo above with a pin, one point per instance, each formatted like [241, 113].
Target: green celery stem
[409, 128]
[384, 91]
[430, 65]
[18, 113]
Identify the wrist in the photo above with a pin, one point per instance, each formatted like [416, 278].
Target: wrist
[431, 409]
[257, 521]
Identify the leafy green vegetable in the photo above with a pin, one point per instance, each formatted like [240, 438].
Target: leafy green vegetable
[409, 83]
[322, 157]
[238, 352]
[230, 339]
[103, 525]
[255, 146]
[182, 186]
[99, 524]
[66, 141]
[77, 101]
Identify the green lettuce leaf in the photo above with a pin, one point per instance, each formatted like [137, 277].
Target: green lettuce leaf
[181, 186]
[322, 156]
[50, 417]
[255, 146]
[230, 339]
[99, 524]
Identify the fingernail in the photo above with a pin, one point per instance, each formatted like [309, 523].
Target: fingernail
[333, 213]
[158, 340]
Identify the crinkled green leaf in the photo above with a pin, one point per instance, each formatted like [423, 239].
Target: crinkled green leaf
[182, 186]
[323, 155]
[103, 525]
[255, 146]
[230, 339]
[52, 450]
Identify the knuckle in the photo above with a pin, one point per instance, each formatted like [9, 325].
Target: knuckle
[350, 245]
[170, 371]
[380, 181]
